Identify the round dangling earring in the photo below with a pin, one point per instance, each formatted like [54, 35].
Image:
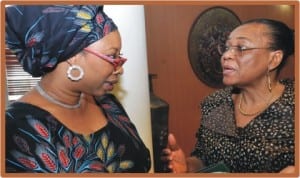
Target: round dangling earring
[73, 68]
[269, 81]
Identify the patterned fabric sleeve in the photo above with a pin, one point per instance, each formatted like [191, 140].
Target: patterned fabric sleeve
[118, 116]
[28, 145]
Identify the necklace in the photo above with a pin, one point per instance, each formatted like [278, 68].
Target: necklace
[254, 113]
[43, 93]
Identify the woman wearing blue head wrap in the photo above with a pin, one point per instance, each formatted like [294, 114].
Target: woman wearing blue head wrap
[69, 122]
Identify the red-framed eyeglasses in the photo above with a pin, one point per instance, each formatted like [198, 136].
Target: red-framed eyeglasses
[116, 62]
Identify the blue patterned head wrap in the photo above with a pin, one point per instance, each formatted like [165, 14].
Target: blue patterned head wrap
[43, 36]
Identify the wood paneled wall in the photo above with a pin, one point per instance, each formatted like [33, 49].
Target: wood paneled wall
[167, 28]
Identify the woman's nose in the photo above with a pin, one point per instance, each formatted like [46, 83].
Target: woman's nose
[228, 54]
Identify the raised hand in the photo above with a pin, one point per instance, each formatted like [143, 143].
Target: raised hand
[174, 155]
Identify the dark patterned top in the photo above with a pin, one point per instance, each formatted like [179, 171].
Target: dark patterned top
[37, 142]
[266, 144]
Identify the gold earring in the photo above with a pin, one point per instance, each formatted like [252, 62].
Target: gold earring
[269, 81]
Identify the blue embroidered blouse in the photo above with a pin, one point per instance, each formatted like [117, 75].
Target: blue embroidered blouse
[37, 142]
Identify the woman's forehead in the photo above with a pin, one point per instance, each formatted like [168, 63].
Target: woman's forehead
[250, 32]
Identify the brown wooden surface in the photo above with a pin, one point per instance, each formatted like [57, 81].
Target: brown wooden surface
[167, 29]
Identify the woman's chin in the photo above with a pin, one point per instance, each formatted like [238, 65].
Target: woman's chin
[106, 88]
[228, 82]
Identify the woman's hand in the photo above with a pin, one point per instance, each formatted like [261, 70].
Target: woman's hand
[174, 155]
[288, 169]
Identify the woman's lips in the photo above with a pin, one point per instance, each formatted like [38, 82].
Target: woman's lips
[109, 85]
[227, 69]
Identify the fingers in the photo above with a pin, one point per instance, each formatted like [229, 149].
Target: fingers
[172, 154]
[172, 142]
[166, 155]
[166, 151]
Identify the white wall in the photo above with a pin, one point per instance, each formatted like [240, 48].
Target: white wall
[133, 90]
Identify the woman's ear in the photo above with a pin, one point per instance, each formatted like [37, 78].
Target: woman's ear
[275, 59]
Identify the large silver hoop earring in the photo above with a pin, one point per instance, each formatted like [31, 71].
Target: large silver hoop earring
[75, 78]
[269, 81]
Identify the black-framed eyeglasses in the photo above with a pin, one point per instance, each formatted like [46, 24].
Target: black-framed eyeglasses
[238, 50]
[116, 62]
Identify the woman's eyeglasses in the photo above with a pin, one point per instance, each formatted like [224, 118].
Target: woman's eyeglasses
[116, 62]
[238, 50]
